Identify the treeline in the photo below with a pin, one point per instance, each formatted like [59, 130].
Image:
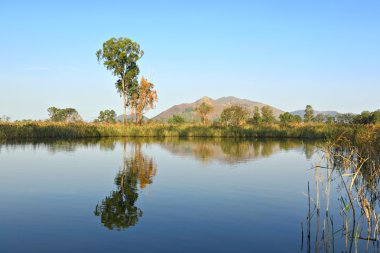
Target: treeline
[236, 115]
[366, 117]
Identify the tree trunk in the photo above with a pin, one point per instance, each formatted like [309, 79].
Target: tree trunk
[125, 108]
[124, 101]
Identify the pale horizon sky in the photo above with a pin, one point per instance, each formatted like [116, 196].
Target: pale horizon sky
[283, 53]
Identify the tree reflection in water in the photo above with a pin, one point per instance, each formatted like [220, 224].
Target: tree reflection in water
[118, 210]
[231, 151]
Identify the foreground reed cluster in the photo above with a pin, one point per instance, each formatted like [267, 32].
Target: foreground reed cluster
[351, 164]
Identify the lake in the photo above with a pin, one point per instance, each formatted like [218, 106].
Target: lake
[171, 195]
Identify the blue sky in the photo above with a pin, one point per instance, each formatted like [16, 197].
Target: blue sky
[283, 53]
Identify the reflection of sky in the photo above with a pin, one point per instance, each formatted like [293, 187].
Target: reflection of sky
[47, 202]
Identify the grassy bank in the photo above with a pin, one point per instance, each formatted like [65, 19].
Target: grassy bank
[34, 130]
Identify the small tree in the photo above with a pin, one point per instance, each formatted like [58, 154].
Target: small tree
[64, 115]
[330, 119]
[297, 119]
[345, 118]
[5, 118]
[144, 99]
[286, 118]
[267, 114]
[120, 56]
[364, 118]
[234, 116]
[367, 117]
[108, 116]
[203, 109]
[376, 117]
[320, 117]
[176, 119]
[256, 119]
[309, 114]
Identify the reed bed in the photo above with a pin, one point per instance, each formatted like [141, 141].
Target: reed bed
[60, 130]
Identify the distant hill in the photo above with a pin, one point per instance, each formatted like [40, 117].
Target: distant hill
[187, 110]
[302, 113]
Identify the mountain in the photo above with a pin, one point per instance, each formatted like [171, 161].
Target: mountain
[302, 113]
[187, 110]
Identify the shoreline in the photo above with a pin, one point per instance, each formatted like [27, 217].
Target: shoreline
[59, 130]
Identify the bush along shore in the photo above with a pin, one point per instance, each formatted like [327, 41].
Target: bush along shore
[33, 130]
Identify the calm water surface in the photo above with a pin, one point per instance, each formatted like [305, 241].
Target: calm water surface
[148, 195]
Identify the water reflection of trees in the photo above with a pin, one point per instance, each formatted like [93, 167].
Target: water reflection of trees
[229, 150]
[354, 170]
[58, 145]
[118, 210]
[234, 150]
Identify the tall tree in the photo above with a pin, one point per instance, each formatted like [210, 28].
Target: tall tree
[203, 109]
[256, 119]
[144, 99]
[120, 56]
[309, 114]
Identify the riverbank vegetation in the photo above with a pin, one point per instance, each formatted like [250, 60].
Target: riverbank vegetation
[40, 129]
[352, 167]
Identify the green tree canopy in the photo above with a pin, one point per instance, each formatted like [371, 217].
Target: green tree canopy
[367, 117]
[376, 117]
[120, 56]
[345, 118]
[286, 118]
[330, 119]
[267, 114]
[63, 115]
[107, 116]
[256, 118]
[234, 115]
[176, 119]
[297, 119]
[320, 117]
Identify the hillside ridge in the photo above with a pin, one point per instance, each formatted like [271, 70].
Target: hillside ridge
[187, 110]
